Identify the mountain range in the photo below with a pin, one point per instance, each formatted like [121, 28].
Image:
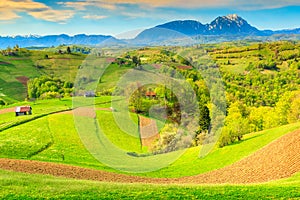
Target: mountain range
[55, 40]
[230, 27]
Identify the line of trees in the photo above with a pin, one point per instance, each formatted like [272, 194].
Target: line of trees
[241, 119]
[45, 87]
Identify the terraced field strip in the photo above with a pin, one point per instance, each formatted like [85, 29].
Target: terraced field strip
[148, 131]
[85, 111]
[280, 159]
[7, 110]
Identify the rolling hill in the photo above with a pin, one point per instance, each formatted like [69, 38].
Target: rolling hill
[224, 28]
[56, 40]
[55, 156]
[230, 28]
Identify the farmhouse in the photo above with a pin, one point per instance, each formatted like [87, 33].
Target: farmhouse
[23, 110]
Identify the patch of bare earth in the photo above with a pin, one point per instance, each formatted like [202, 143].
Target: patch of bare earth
[280, 159]
[7, 110]
[148, 131]
[23, 80]
[4, 63]
[84, 111]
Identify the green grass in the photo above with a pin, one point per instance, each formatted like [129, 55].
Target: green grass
[44, 107]
[56, 129]
[39, 108]
[118, 137]
[67, 144]
[190, 163]
[12, 89]
[67, 147]
[26, 140]
[64, 67]
[16, 185]
[111, 76]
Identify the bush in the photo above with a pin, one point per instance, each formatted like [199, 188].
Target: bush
[2, 102]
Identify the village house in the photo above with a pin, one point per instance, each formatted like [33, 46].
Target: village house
[23, 110]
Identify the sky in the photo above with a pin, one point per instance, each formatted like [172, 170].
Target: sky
[126, 18]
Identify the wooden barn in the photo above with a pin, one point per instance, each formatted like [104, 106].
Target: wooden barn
[23, 110]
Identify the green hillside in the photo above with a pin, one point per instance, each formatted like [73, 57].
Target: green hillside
[17, 69]
[56, 140]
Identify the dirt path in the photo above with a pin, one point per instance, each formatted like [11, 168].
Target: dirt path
[148, 131]
[85, 111]
[23, 80]
[280, 159]
[7, 110]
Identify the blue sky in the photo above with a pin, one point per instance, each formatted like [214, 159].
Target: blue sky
[42, 17]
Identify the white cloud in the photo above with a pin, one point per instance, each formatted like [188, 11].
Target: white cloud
[82, 5]
[53, 15]
[95, 17]
[240, 4]
[8, 15]
[129, 34]
[9, 10]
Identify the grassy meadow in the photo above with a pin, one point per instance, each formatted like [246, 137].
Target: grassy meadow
[56, 140]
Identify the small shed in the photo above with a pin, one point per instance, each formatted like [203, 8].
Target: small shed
[23, 110]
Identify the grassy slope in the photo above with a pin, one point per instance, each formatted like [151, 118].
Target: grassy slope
[39, 108]
[190, 163]
[25, 141]
[62, 66]
[116, 135]
[24, 186]
[10, 88]
[66, 142]
[59, 130]
[111, 76]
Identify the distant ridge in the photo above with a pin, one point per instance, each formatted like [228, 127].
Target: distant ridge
[55, 40]
[226, 26]
[223, 28]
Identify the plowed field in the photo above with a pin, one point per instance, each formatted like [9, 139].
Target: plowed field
[279, 159]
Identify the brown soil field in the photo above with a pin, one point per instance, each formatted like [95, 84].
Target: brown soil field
[280, 159]
[23, 80]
